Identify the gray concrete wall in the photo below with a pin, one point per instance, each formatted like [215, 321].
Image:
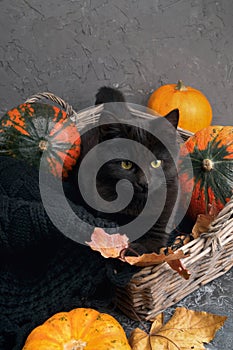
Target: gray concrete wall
[73, 47]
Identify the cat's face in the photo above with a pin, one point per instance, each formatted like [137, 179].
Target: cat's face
[143, 169]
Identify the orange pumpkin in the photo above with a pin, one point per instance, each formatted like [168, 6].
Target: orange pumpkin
[78, 329]
[195, 110]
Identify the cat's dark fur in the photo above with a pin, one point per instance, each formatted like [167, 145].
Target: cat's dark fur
[108, 176]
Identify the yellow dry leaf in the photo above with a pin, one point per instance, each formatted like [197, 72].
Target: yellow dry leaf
[157, 324]
[186, 330]
[139, 340]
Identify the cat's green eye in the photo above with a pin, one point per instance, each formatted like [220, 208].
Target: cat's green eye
[156, 163]
[126, 165]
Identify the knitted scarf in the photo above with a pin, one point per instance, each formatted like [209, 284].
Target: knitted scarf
[42, 272]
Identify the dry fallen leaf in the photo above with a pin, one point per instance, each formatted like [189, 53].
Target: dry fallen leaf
[157, 324]
[204, 220]
[114, 246]
[109, 246]
[186, 330]
[178, 267]
[201, 225]
[154, 258]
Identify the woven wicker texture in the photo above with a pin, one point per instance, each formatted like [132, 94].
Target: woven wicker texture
[155, 288]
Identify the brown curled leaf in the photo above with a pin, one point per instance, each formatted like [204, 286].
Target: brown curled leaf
[154, 258]
[203, 221]
[114, 245]
[178, 267]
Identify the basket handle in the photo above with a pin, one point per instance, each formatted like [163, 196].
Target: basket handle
[50, 96]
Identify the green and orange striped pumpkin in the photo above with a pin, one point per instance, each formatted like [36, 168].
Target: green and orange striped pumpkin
[211, 177]
[30, 130]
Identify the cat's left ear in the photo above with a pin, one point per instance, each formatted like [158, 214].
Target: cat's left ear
[173, 117]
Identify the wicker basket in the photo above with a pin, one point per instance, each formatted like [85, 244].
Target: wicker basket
[91, 114]
[156, 288]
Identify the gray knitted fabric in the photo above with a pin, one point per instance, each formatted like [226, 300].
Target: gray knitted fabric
[42, 271]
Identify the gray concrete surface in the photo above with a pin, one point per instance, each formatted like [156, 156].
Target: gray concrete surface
[73, 47]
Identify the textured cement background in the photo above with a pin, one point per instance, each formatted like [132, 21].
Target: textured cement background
[72, 47]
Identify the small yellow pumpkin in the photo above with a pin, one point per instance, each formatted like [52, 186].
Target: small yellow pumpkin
[195, 110]
[78, 329]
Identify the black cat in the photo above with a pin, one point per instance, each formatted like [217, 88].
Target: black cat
[156, 171]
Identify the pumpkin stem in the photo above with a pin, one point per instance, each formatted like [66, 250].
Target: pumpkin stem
[207, 164]
[75, 345]
[180, 86]
[43, 145]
